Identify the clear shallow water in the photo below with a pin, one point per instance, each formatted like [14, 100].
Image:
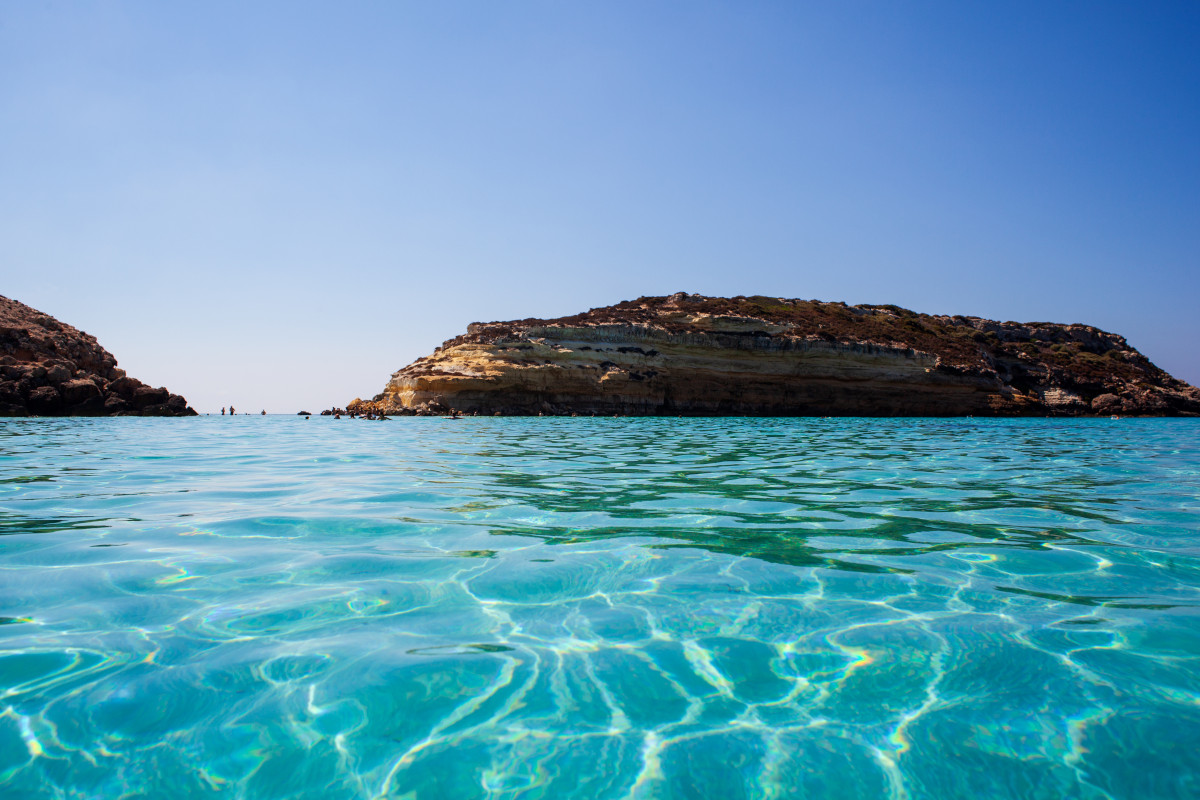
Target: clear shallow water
[607, 608]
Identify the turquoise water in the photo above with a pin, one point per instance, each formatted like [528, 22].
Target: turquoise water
[599, 608]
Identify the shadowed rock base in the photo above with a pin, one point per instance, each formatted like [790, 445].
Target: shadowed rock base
[757, 356]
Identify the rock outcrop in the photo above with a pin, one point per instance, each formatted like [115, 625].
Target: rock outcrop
[48, 368]
[695, 355]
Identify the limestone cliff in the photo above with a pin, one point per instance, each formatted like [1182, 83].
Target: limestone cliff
[48, 368]
[695, 355]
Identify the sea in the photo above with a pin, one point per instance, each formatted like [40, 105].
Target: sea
[281, 607]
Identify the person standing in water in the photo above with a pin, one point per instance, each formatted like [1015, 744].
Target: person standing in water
[231, 411]
[222, 411]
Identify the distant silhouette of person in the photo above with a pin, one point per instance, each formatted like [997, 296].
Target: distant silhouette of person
[222, 411]
[264, 412]
[231, 411]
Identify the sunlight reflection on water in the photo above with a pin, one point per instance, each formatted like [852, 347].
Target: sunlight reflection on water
[647, 608]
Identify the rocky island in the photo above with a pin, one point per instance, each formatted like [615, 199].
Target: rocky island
[693, 355]
[48, 368]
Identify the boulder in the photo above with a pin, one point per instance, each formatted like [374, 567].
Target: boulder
[45, 400]
[157, 410]
[114, 405]
[79, 390]
[124, 387]
[144, 397]
[10, 392]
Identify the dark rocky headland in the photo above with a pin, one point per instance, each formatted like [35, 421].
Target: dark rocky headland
[48, 368]
[712, 356]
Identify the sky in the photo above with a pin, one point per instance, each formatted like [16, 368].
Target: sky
[275, 205]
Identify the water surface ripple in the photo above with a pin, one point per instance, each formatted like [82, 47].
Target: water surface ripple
[599, 608]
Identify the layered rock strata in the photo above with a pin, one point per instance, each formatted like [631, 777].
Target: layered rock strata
[695, 355]
[48, 368]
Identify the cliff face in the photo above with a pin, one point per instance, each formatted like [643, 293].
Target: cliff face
[694, 355]
[51, 369]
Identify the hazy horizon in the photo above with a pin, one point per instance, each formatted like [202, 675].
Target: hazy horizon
[277, 206]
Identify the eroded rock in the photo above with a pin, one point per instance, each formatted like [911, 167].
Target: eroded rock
[50, 368]
[695, 355]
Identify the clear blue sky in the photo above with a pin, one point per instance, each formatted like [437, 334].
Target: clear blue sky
[276, 205]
